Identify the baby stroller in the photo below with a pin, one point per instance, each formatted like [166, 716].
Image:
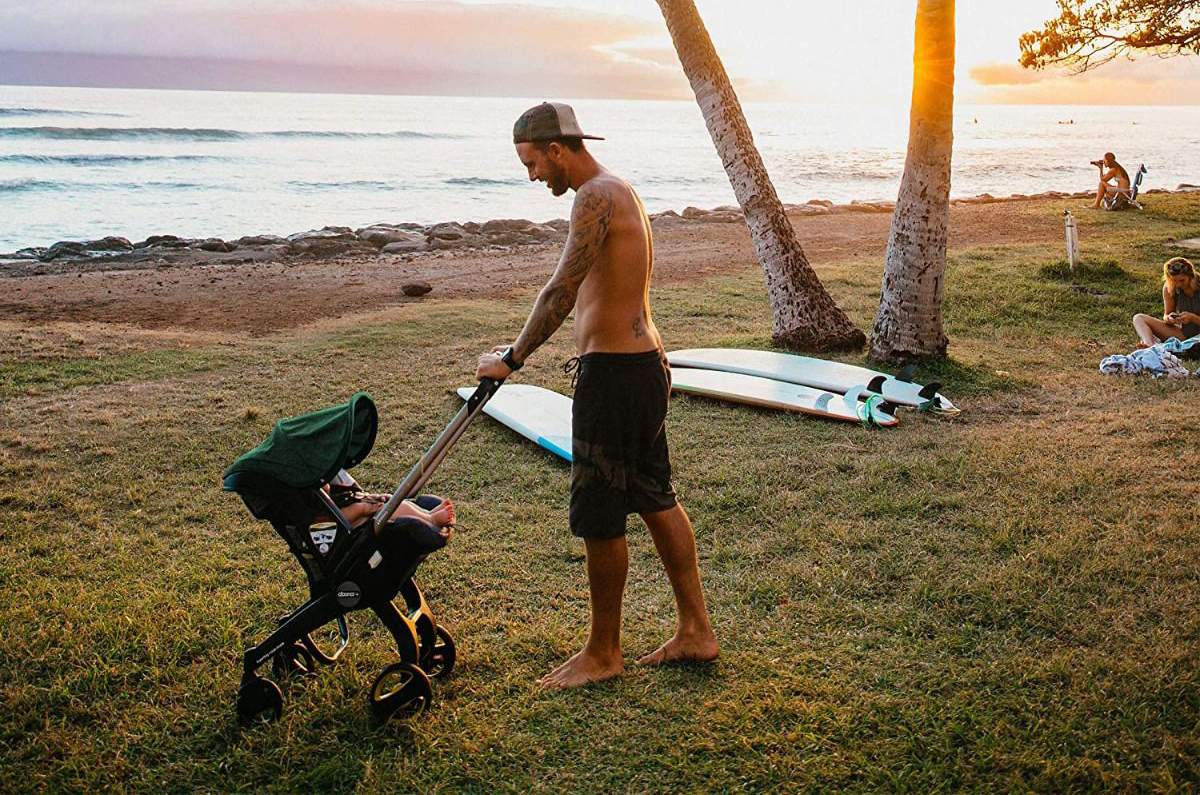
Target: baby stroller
[297, 480]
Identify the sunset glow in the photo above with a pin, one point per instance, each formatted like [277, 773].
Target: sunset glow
[838, 52]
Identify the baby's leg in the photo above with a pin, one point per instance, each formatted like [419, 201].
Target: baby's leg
[441, 515]
[428, 501]
[355, 512]
[441, 510]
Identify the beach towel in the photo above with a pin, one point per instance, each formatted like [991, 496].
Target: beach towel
[1157, 360]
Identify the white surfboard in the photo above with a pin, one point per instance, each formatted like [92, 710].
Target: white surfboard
[541, 416]
[767, 393]
[815, 373]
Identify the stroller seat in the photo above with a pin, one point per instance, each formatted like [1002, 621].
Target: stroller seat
[295, 480]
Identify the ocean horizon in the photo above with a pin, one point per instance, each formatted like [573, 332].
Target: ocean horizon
[82, 163]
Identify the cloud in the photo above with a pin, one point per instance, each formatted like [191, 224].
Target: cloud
[1006, 75]
[1149, 81]
[422, 47]
[662, 57]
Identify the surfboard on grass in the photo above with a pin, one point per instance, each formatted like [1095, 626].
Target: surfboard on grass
[541, 416]
[815, 373]
[767, 393]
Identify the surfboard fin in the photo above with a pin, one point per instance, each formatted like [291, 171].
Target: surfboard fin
[938, 405]
[906, 373]
[866, 410]
[876, 384]
[929, 391]
[858, 400]
[943, 406]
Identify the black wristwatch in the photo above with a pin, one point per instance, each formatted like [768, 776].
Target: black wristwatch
[508, 359]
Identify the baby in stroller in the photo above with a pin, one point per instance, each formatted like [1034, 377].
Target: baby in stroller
[357, 505]
[353, 556]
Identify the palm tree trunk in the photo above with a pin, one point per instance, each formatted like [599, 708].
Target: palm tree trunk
[908, 324]
[806, 317]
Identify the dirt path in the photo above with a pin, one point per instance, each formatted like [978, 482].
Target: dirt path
[223, 294]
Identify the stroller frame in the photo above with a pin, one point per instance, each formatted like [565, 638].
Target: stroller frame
[364, 567]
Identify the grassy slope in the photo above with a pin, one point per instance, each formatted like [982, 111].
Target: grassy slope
[1003, 601]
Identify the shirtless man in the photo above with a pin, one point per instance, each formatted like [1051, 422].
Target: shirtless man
[619, 448]
[1115, 171]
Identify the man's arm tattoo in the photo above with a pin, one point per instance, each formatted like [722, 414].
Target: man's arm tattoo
[591, 218]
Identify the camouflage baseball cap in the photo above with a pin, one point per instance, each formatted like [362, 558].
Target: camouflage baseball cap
[546, 122]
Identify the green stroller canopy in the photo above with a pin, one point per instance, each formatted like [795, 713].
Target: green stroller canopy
[304, 452]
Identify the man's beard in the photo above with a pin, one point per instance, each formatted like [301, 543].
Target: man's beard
[558, 183]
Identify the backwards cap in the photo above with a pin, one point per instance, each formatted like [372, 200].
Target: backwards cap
[547, 122]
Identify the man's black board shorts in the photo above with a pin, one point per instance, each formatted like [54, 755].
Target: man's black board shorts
[619, 459]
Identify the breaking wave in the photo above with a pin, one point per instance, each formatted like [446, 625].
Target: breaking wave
[195, 134]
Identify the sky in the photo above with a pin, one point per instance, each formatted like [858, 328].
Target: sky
[775, 50]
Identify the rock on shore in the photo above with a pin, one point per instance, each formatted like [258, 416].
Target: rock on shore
[407, 239]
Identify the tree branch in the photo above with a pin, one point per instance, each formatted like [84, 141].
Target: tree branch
[1089, 33]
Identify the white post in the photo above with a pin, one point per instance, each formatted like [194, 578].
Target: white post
[1072, 239]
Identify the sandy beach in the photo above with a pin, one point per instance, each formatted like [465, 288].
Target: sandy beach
[265, 288]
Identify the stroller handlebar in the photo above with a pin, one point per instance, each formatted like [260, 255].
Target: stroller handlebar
[423, 470]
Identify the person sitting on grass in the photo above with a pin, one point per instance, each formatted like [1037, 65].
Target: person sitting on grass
[1181, 306]
[1115, 172]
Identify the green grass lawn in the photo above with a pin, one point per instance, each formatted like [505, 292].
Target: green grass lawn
[1007, 600]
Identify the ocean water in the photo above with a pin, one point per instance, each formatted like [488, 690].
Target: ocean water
[82, 163]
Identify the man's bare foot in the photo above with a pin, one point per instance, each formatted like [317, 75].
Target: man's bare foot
[582, 669]
[686, 648]
[1141, 345]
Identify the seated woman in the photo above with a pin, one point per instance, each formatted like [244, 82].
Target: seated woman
[1115, 172]
[1181, 306]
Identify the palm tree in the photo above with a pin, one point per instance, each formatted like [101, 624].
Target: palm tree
[909, 321]
[806, 317]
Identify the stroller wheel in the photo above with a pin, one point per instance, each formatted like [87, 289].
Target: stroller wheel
[400, 691]
[440, 660]
[259, 701]
[293, 660]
